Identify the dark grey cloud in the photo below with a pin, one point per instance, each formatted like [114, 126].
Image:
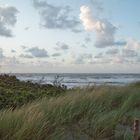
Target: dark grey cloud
[56, 54]
[99, 55]
[37, 52]
[120, 43]
[27, 28]
[87, 39]
[24, 47]
[26, 56]
[129, 53]
[61, 46]
[63, 60]
[7, 20]
[112, 51]
[56, 17]
[13, 51]
[83, 46]
[76, 30]
[138, 59]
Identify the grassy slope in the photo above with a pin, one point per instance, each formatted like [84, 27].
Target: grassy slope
[96, 113]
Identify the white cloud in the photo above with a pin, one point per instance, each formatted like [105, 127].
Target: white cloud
[132, 44]
[7, 20]
[37, 52]
[118, 60]
[1, 53]
[102, 60]
[83, 58]
[9, 61]
[105, 31]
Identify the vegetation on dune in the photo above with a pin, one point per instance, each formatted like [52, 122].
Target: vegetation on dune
[15, 93]
[95, 113]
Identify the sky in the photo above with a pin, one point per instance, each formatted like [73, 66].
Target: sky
[70, 36]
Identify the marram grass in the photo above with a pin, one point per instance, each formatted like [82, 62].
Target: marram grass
[95, 113]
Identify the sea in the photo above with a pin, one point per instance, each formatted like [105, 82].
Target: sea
[79, 79]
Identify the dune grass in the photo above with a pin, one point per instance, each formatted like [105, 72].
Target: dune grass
[95, 113]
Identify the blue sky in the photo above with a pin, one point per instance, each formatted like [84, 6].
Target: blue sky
[87, 36]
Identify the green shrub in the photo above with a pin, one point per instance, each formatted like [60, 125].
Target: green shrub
[15, 93]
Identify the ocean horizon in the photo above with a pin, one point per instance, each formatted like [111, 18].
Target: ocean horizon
[80, 79]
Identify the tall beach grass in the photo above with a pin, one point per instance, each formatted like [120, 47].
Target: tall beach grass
[95, 113]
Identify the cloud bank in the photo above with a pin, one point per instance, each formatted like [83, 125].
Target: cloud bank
[56, 17]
